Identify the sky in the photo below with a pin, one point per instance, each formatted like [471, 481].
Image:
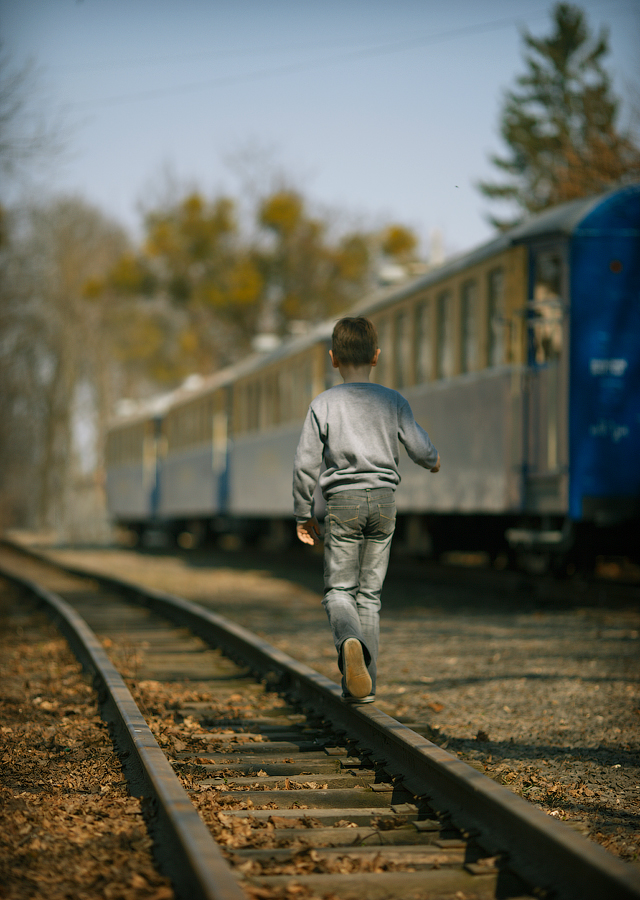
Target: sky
[377, 110]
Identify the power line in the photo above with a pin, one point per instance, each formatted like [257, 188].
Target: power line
[618, 5]
[188, 57]
[292, 68]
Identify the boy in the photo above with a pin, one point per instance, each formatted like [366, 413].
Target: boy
[354, 428]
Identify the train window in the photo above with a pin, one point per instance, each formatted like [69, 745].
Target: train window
[200, 431]
[268, 405]
[190, 422]
[256, 399]
[243, 408]
[180, 428]
[127, 445]
[422, 333]
[545, 309]
[402, 351]
[495, 318]
[444, 330]
[219, 427]
[195, 423]
[384, 367]
[188, 426]
[308, 385]
[469, 322]
[275, 412]
[243, 412]
[197, 419]
[548, 275]
[295, 392]
[203, 431]
[284, 387]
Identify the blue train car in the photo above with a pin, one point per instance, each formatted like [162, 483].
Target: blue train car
[581, 393]
[604, 409]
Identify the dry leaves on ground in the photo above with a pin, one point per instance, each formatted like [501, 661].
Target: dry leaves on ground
[68, 827]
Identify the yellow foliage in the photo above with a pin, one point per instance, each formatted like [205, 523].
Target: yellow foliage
[92, 288]
[160, 239]
[282, 212]
[189, 342]
[246, 284]
[291, 305]
[399, 242]
[352, 258]
[222, 216]
[210, 294]
[140, 339]
[127, 275]
[192, 206]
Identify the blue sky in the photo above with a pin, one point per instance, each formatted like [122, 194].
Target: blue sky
[384, 109]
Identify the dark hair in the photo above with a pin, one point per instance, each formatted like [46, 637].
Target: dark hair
[354, 341]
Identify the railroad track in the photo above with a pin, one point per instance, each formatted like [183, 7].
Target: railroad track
[295, 784]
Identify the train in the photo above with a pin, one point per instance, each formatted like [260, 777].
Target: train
[520, 358]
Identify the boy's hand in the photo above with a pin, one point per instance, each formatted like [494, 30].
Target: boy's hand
[436, 468]
[309, 531]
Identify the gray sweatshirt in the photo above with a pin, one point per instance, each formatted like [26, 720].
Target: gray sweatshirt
[355, 429]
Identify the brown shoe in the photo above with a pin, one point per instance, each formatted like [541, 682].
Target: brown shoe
[356, 676]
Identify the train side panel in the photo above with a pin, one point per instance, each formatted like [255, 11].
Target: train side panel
[605, 363]
[194, 460]
[474, 421]
[269, 407]
[261, 472]
[189, 485]
[131, 471]
[128, 493]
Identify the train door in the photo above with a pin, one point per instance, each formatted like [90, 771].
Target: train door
[546, 381]
[220, 449]
[150, 465]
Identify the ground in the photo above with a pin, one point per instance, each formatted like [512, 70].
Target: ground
[534, 683]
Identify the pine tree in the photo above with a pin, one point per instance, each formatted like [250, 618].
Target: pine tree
[560, 123]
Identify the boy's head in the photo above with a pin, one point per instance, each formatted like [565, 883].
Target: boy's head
[354, 341]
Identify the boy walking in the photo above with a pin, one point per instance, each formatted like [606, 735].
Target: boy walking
[355, 429]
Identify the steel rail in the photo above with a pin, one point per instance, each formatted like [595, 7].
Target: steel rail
[541, 850]
[185, 848]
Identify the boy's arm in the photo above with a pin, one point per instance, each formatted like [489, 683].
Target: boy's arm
[306, 469]
[416, 440]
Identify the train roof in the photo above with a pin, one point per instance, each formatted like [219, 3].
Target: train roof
[562, 220]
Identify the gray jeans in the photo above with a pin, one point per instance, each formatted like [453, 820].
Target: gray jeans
[359, 526]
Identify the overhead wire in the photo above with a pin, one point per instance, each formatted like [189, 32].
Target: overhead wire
[306, 65]
[244, 51]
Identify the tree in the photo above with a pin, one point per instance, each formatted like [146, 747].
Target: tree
[307, 275]
[218, 286]
[29, 135]
[560, 123]
[56, 349]
[196, 266]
